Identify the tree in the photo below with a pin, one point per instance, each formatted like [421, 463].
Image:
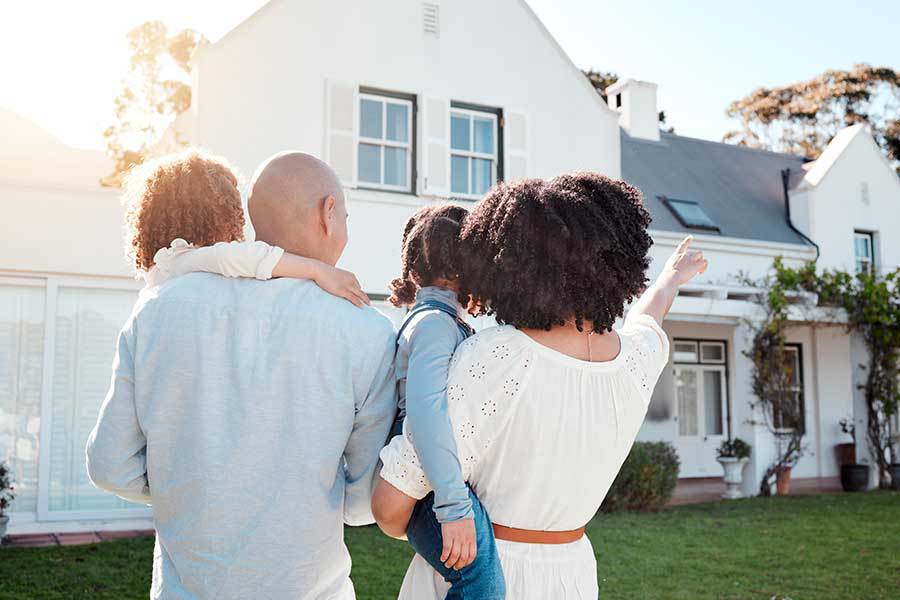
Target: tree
[801, 118]
[775, 403]
[154, 92]
[603, 79]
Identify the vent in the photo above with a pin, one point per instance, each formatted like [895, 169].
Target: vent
[864, 192]
[431, 18]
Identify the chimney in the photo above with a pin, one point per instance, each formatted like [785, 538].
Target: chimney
[636, 103]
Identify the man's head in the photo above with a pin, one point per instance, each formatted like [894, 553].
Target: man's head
[296, 202]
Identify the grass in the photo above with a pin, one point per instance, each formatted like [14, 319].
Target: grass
[832, 546]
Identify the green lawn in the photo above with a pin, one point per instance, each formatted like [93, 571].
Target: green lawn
[835, 546]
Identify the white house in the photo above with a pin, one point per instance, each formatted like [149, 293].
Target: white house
[428, 102]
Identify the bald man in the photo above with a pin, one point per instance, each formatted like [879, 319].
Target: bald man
[250, 414]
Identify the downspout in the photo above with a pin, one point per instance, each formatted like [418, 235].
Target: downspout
[785, 177]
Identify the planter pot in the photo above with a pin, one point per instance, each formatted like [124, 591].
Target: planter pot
[855, 477]
[846, 454]
[894, 470]
[4, 520]
[734, 475]
[783, 481]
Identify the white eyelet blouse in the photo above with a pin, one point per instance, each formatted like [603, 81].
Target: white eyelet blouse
[540, 435]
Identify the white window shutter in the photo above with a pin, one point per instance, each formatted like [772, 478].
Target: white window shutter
[515, 137]
[341, 129]
[435, 146]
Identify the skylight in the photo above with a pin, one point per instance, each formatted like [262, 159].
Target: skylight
[690, 214]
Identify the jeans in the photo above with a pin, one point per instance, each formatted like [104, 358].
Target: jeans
[480, 580]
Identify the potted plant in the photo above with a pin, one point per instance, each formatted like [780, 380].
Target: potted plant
[854, 476]
[846, 452]
[6, 496]
[733, 455]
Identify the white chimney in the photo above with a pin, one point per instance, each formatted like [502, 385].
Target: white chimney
[636, 102]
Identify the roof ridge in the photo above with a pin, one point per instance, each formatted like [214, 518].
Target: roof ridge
[736, 146]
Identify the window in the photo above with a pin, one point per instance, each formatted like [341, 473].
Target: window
[21, 376]
[790, 415]
[475, 139]
[864, 249]
[386, 134]
[690, 214]
[705, 352]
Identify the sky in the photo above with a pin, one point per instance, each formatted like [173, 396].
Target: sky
[61, 62]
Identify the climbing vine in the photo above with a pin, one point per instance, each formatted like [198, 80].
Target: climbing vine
[871, 305]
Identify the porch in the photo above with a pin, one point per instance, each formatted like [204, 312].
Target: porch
[709, 489]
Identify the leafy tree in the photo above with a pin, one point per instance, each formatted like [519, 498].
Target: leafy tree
[603, 79]
[801, 118]
[154, 92]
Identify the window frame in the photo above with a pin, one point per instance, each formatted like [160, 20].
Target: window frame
[389, 97]
[670, 204]
[869, 236]
[476, 110]
[798, 389]
[723, 365]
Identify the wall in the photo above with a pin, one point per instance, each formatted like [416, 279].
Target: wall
[836, 206]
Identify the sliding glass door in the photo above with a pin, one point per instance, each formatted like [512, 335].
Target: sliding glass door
[57, 343]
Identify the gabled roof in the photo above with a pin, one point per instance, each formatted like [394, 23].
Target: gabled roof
[740, 188]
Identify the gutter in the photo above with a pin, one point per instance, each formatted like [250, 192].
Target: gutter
[785, 177]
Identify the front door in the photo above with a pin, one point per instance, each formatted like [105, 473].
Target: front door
[700, 418]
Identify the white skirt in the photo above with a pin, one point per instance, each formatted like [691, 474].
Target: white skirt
[532, 572]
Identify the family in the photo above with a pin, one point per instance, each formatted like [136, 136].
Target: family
[259, 404]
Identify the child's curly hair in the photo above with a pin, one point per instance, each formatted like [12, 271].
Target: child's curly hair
[430, 250]
[189, 195]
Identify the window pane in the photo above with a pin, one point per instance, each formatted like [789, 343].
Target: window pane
[792, 366]
[87, 326]
[712, 395]
[481, 176]
[686, 385]
[459, 133]
[395, 166]
[685, 352]
[370, 119]
[369, 163]
[862, 246]
[484, 135]
[397, 122]
[459, 175]
[714, 353]
[21, 370]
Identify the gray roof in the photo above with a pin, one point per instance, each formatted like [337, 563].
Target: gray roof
[739, 188]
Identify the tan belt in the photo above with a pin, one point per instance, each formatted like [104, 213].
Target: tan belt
[531, 536]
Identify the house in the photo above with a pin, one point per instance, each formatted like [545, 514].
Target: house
[745, 207]
[428, 102]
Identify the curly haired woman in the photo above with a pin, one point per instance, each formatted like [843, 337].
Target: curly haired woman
[184, 214]
[546, 407]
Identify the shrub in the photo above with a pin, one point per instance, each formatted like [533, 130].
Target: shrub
[736, 448]
[647, 478]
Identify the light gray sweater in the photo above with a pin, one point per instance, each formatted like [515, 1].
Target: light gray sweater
[250, 415]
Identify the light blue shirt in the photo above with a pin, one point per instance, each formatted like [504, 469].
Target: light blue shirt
[250, 415]
[424, 350]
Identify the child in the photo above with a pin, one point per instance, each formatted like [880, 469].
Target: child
[449, 528]
[185, 214]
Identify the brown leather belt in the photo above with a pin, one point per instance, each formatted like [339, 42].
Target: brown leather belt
[531, 536]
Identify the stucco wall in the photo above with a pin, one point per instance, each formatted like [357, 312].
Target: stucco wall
[837, 206]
